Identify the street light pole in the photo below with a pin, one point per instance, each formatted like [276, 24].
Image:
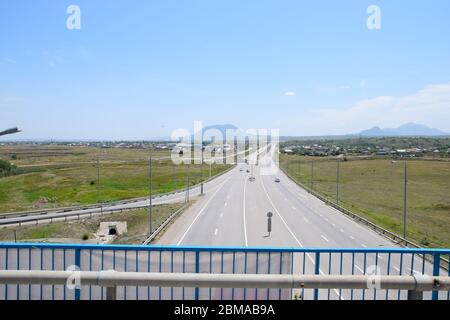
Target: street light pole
[299, 168]
[404, 199]
[210, 163]
[150, 173]
[187, 184]
[99, 185]
[9, 131]
[173, 176]
[337, 182]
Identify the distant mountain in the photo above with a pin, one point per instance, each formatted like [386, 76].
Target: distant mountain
[208, 131]
[220, 127]
[408, 129]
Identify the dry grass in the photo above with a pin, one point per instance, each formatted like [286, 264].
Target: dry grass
[375, 189]
[67, 176]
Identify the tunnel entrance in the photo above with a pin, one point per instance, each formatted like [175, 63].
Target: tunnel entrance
[112, 231]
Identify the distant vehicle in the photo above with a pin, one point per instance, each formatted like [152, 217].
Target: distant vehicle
[251, 178]
[240, 169]
[248, 171]
[277, 179]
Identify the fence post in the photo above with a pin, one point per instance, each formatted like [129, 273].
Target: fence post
[415, 295]
[78, 265]
[111, 293]
[436, 267]
[197, 270]
[317, 271]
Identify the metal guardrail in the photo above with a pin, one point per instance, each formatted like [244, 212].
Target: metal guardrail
[68, 212]
[163, 225]
[243, 261]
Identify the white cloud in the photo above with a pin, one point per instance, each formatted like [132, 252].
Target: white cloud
[344, 87]
[429, 106]
[290, 93]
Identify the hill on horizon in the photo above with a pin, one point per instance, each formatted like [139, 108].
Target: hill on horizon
[407, 129]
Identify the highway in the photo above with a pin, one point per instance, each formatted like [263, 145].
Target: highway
[233, 212]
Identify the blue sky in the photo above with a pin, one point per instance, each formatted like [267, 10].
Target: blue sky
[140, 69]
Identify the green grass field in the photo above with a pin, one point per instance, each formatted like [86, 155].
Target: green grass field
[66, 176]
[137, 225]
[375, 189]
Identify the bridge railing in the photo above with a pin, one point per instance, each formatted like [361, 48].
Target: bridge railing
[141, 260]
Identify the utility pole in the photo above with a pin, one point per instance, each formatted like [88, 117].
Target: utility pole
[312, 174]
[404, 199]
[98, 185]
[187, 184]
[337, 182]
[210, 164]
[201, 166]
[173, 176]
[150, 174]
[299, 168]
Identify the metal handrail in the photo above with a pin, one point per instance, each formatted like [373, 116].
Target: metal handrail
[111, 278]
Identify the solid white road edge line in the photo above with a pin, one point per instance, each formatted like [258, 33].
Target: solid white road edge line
[200, 212]
[243, 214]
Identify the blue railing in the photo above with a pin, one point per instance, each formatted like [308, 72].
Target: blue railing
[238, 260]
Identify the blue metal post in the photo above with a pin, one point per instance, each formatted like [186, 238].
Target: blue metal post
[197, 270]
[317, 271]
[78, 264]
[436, 266]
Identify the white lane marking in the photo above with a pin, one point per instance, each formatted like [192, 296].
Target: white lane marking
[293, 235]
[352, 237]
[243, 214]
[357, 267]
[285, 199]
[215, 231]
[341, 230]
[326, 219]
[334, 225]
[306, 220]
[221, 214]
[200, 212]
[294, 208]
[278, 213]
[226, 204]
[324, 238]
[363, 245]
